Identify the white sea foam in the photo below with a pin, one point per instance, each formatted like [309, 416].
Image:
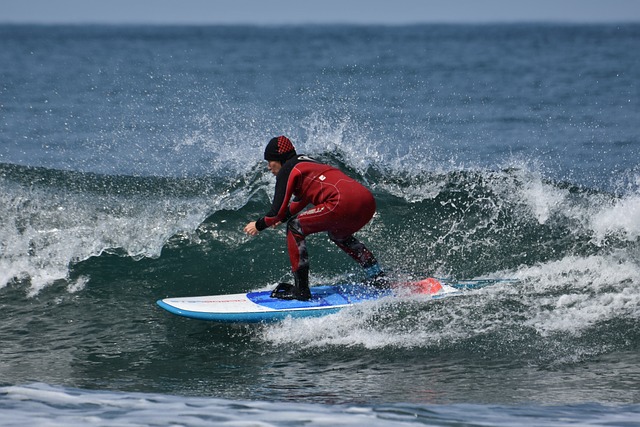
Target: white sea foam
[574, 294]
[620, 217]
[543, 199]
[43, 405]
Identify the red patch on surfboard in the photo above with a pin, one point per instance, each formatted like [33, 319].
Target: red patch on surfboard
[428, 286]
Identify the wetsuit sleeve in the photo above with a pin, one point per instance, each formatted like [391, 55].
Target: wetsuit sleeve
[279, 212]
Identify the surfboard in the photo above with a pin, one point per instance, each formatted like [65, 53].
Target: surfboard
[259, 307]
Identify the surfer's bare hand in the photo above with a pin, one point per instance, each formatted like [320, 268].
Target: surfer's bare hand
[251, 229]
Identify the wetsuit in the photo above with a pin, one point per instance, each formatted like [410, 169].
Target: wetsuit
[341, 206]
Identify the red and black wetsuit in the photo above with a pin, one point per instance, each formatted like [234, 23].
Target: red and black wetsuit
[341, 206]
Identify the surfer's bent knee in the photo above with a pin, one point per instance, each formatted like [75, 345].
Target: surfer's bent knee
[294, 227]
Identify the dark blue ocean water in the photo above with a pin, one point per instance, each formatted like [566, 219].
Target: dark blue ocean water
[131, 159]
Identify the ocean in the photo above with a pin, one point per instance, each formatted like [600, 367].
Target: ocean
[131, 159]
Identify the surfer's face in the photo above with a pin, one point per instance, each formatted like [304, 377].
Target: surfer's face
[274, 166]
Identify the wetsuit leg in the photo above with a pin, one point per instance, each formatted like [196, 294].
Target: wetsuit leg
[359, 252]
[296, 245]
[299, 257]
[356, 250]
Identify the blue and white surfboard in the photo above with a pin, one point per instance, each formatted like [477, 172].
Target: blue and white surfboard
[255, 307]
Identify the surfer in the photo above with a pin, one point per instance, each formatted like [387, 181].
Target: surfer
[341, 206]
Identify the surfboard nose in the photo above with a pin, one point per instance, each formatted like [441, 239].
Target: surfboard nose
[428, 286]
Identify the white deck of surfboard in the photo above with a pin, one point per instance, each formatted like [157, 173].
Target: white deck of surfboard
[232, 303]
[240, 308]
